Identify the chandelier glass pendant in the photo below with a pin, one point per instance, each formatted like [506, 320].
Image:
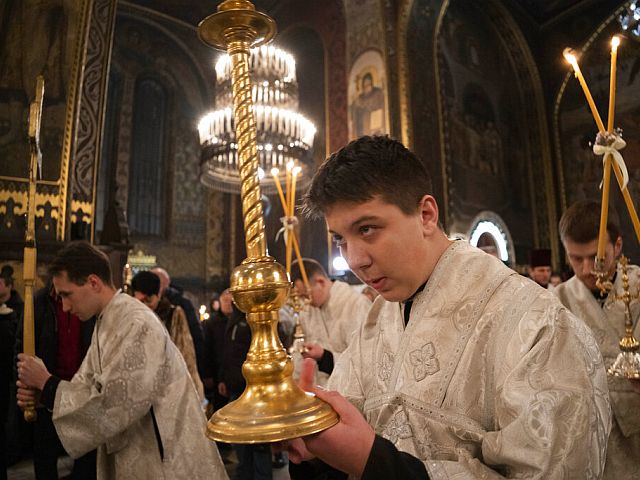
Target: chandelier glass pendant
[285, 137]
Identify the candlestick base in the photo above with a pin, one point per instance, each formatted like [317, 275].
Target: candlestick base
[627, 365]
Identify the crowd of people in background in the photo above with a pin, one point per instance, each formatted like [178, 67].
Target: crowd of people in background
[115, 374]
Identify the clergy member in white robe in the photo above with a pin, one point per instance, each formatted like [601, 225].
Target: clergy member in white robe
[463, 369]
[605, 316]
[335, 312]
[132, 398]
[491, 378]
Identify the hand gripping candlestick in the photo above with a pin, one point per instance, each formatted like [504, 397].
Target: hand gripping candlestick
[272, 407]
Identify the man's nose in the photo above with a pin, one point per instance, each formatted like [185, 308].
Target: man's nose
[66, 305]
[356, 256]
[587, 265]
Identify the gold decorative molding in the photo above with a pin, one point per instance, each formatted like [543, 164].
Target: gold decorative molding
[87, 211]
[20, 203]
[72, 113]
[404, 97]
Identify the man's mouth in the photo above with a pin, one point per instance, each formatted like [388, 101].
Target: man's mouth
[376, 283]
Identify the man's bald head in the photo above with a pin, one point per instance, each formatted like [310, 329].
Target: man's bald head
[165, 279]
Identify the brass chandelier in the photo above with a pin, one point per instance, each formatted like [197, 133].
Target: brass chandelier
[284, 136]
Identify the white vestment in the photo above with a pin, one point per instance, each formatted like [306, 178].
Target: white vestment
[607, 324]
[332, 325]
[132, 377]
[491, 378]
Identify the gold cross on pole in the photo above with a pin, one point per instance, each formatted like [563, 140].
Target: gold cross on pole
[30, 253]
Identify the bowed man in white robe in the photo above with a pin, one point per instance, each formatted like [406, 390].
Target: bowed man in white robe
[607, 324]
[134, 401]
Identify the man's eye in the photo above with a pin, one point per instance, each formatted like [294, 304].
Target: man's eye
[366, 230]
[338, 240]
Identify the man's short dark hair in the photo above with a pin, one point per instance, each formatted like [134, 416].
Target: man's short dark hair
[366, 167]
[146, 282]
[580, 223]
[311, 268]
[79, 260]
[6, 274]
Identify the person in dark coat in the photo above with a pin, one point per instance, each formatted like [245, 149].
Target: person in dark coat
[62, 341]
[8, 320]
[8, 294]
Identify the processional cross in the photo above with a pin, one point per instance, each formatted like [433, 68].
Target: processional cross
[30, 252]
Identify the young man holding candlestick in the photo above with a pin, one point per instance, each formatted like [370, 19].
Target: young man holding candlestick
[605, 316]
[463, 368]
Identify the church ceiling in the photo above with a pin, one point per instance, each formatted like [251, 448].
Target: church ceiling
[193, 11]
[544, 11]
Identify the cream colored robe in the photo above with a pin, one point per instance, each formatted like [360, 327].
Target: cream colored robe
[181, 336]
[607, 325]
[492, 377]
[332, 325]
[131, 366]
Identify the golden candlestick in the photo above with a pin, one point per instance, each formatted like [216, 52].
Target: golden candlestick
[30, 252]
[627, 364]
[299, 302]
[272, 407]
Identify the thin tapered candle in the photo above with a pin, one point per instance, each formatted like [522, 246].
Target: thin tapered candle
[276, 179]
[604, 208]
[571, 58]
[294, 173]
[288, 186]
[303, 271]
[615, 41]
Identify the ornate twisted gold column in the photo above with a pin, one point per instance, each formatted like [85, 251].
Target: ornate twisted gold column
[272, 407]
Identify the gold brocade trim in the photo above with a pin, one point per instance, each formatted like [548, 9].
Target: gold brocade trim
[20, 203]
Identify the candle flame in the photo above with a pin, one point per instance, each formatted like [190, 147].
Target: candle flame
[570, 57]
[615, 42]
[296, 170]
[290, 165]
[275, 172]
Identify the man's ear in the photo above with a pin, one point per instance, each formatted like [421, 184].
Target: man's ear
[617, 247]
[428, 209]
[94, 281]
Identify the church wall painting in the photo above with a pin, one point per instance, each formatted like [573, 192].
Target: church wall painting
[485, 125]
[368, 110]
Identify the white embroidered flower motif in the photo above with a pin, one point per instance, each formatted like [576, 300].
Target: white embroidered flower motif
[384, 367]
[398, 427]
[424, 362]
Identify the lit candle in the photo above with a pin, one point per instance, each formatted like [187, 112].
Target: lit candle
[615, 42]
[288, 186]
[296, 170]
[276, 179]
[303, 271]
[571, 58]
